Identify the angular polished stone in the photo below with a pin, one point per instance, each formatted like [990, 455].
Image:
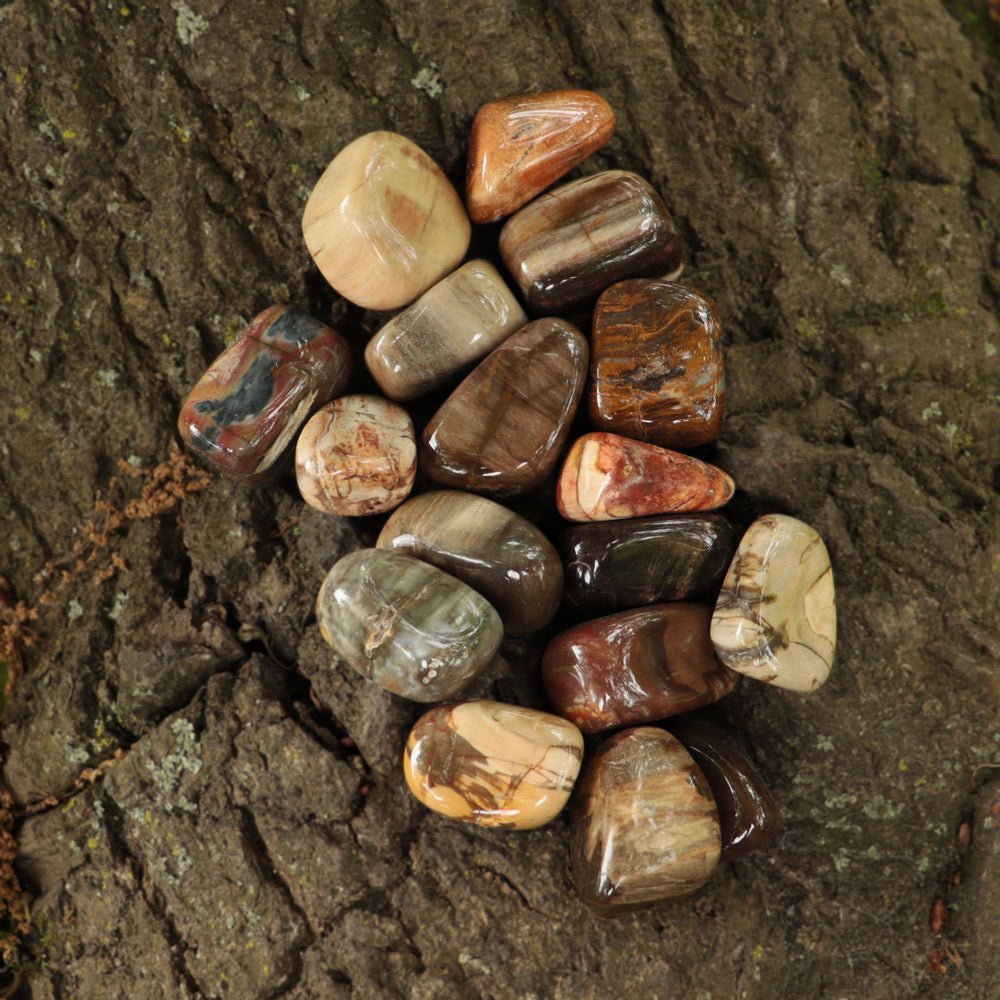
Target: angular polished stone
[244, 412]
[356, 456]
[383, 223]
[776, 617]
[501, 430]
[656, 364]
[452, 325]
[606, 477]
[634, 667]
[614, 565]
[521, 145]
[748, 815]
[406, 625]
[493, 764]
[503, 556]
[644, 827]
[567, 246]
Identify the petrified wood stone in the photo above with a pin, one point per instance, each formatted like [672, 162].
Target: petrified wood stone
[455, 323]
[656, 364]
[606, 477]
[776, 617]
[503, 556]
[406, 625]
[748, 815]
[567, 246]
[614, 565]
[492, 764]
[383, 222]
[501, 430]
[521, 145]
[356, 456]
[634, 667]
[244, 412]
[645, 826]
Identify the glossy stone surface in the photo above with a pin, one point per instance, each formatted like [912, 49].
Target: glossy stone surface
[635, 667]
[356, 456]
[500, 432]
[452, 325]
[492, 764]
[492, 549]
[748, 814]
[567, 246]
[521, 145]
[614, 565]
[645, 826]
[776, 617]
[244, 412]
[606, 477]
[406, 625]
[383, 223]
[656, 364]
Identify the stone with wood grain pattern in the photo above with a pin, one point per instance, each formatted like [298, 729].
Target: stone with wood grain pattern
[406, 625]
[521, 145]
[645, 827]
[356, 456]
[492, 764]
[492, 549]
[656, 364]
[776, 617]
[500, 432]
[383, 223]
[567, 246]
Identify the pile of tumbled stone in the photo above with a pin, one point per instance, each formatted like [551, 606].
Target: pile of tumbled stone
[454, 570]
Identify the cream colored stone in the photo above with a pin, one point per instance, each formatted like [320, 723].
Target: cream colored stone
[384, 223]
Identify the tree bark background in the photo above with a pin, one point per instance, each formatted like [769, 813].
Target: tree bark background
[835, 170]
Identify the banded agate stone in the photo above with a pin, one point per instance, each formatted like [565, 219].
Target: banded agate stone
[492, 549]
[614, 565]
[567, 246]
[455, 323]
[635, 667]
[383, 223]
[748, 815]
[501, 430]
[245, 411]
[356, 456]
[521, 145]
[656, 364]
[492, 764]
[776, 617]
[406, 625]
[606, 476]
[644, 827]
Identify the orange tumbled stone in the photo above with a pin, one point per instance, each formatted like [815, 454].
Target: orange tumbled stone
[521, 145]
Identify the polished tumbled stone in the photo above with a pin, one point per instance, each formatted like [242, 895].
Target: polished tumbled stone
[748, 814]
[500, 432]
[521, 145]
[606, 476]
[492, 764]
[645, 826]
[614, 565]
[492, 549]
[635, 667]
[383, 223]
[245, 411]
[776, 618]
[451, 326]
[656, 364]
[406, 625]
[356, 456]
[567, 246]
